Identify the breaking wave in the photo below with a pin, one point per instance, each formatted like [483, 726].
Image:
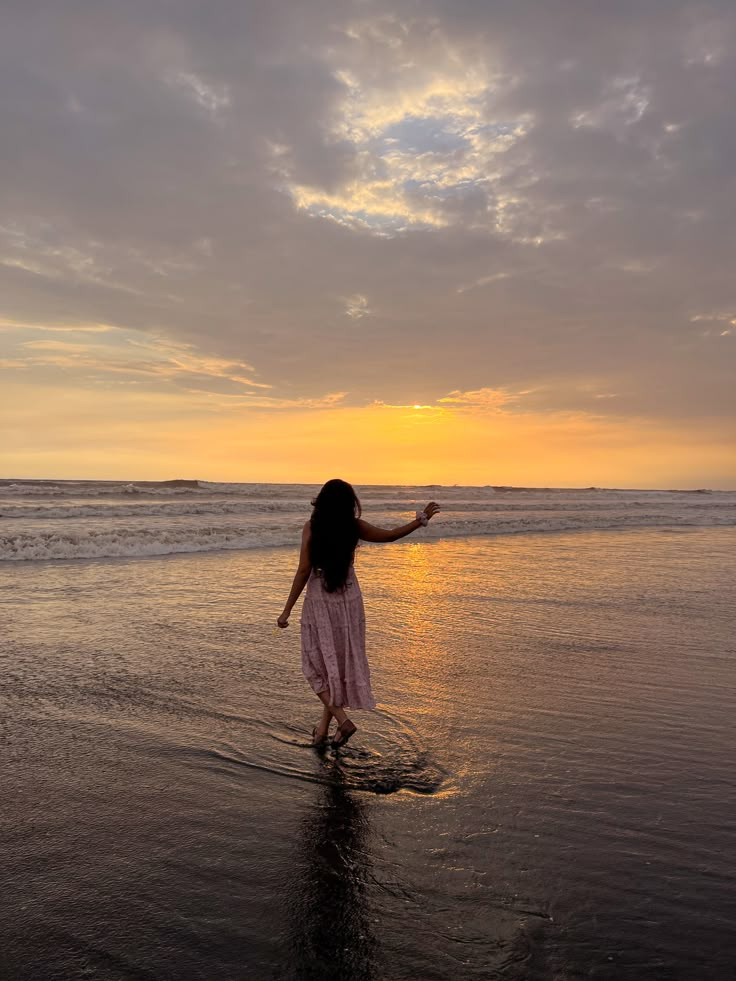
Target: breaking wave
[117, 539]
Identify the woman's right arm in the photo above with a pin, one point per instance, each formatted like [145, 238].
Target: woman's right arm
[372, 533]
[300, 578]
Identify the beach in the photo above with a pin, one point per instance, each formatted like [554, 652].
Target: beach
[473, 263]
[544, 792]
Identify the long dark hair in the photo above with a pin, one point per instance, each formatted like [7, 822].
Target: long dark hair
[334, 532]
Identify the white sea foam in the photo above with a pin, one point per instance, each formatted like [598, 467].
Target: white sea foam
[93, 519]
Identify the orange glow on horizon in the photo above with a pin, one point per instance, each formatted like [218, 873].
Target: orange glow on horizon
[158, 436]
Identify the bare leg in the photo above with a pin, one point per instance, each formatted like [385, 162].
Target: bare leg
[323, 726]
[324, 697]
[342, 735]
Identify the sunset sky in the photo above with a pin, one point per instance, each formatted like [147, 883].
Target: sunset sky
[439, 241]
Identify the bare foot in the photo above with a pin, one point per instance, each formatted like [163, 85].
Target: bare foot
[319, 736]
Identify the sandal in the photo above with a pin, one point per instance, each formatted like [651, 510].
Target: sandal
[345, 731]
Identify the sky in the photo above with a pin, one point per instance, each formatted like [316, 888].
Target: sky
[425, 241]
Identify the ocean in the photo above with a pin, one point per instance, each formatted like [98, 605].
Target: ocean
[102, 519]
[545, 792]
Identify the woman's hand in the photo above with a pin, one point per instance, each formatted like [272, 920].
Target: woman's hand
[431, 510]
[283, 620]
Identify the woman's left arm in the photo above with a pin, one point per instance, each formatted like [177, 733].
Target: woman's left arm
[300, 578]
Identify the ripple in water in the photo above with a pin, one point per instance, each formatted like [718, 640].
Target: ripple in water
[384, 762]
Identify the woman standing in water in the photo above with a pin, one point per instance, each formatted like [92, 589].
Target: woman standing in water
[333, 620]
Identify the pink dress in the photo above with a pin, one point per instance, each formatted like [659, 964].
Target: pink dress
[333, 643]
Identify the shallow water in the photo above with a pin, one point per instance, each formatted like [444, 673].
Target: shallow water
[546, 791]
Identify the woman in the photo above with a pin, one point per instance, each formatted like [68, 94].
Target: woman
[333, 620]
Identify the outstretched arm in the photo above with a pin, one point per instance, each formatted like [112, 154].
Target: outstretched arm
[300, 578]
[372, 533]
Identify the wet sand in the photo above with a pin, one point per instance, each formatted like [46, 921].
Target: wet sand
[545, 791]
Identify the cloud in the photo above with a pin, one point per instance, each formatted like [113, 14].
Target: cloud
[356, 306]
[152, 362]
[725, 323]
[483, 398]
[506, 198]
[20, 326]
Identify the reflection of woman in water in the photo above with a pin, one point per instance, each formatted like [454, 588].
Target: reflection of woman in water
[333, 621]
[331, 931]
